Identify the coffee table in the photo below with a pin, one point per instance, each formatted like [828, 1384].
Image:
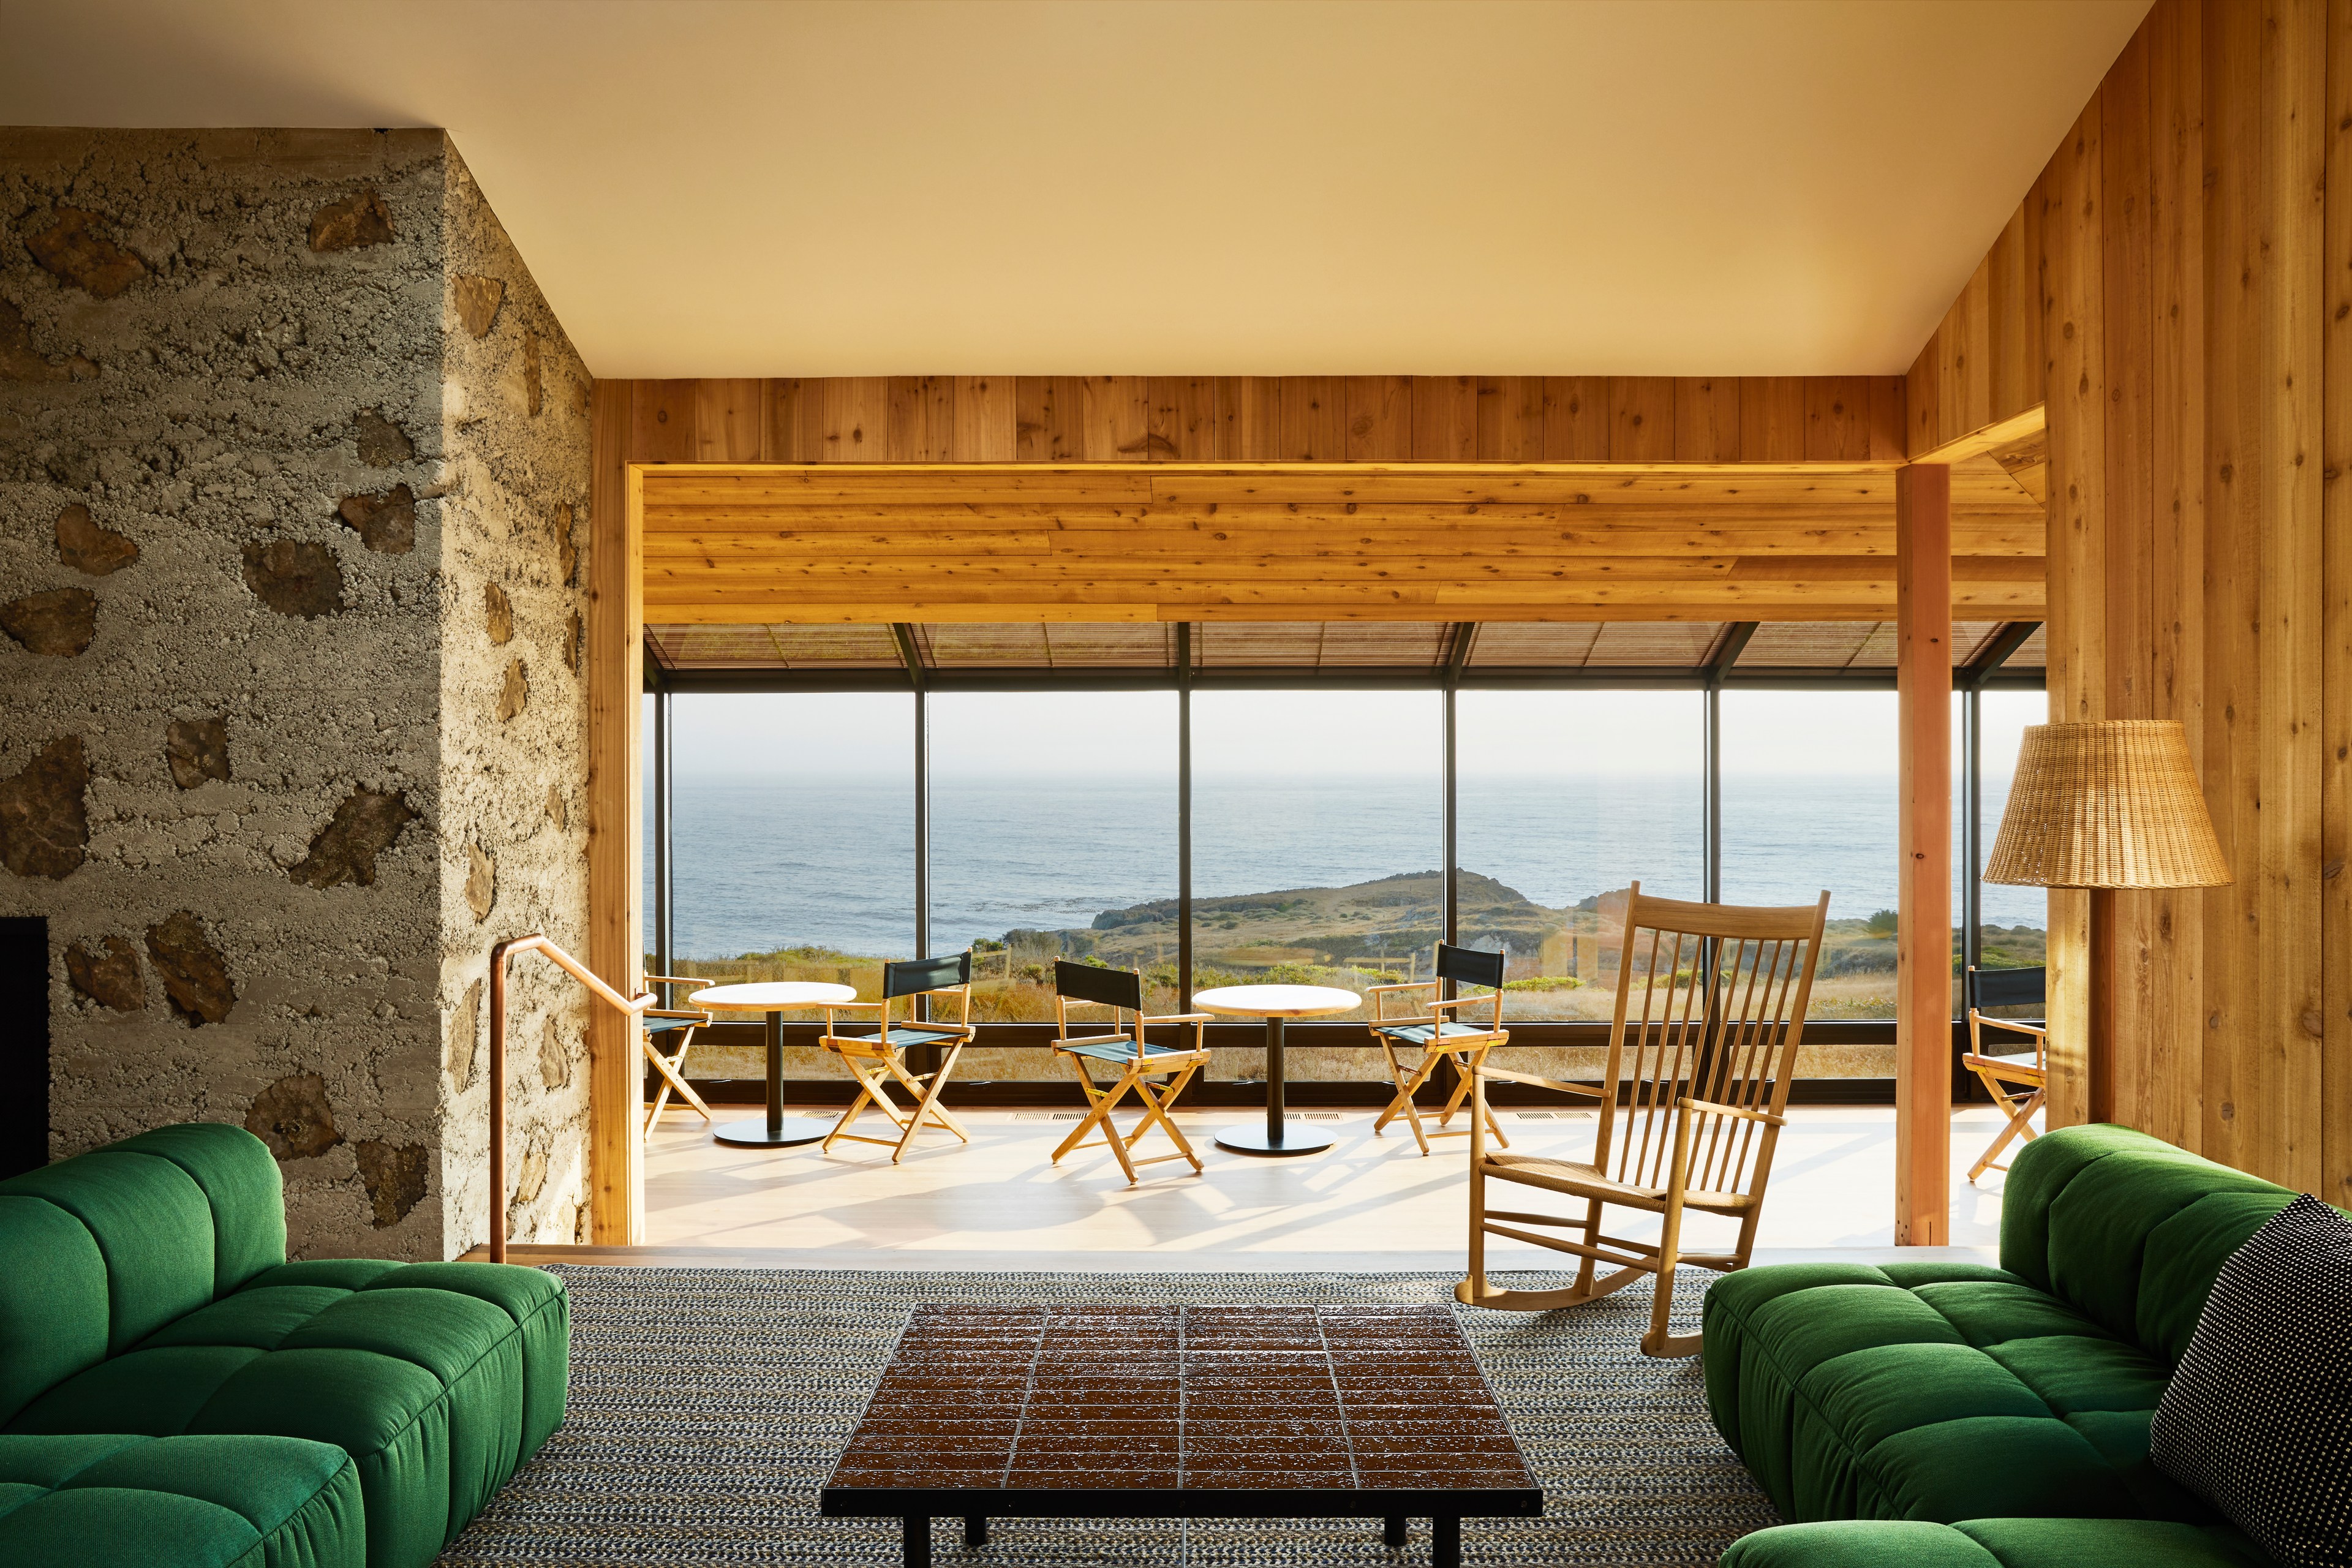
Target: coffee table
[1193, 1412]
[774, 997]
[1274, 1004]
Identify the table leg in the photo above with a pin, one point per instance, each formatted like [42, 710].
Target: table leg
[916, 1541]
[1278, 1138]
[771, 1129]
[1392, 1531]
[975, 1531]
[1446, 1542]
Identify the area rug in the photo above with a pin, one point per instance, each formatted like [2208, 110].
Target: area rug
[708, 1406]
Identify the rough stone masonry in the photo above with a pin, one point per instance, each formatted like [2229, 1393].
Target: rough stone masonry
[293, 492]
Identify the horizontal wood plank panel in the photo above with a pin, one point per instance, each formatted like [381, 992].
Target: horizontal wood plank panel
[1321, 540]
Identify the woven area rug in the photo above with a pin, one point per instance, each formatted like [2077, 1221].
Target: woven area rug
[707, 1407]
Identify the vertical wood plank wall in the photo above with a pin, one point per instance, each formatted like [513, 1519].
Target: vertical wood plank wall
[1239, 418]
[2190, 313]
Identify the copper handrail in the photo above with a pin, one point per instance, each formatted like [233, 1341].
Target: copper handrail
[535, 942]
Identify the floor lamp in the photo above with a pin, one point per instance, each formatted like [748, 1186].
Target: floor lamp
[2107, 804]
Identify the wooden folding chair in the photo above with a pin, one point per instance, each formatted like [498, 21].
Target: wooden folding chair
[1121, 990]
[2001, 1074]
[673, 1026]
[1701, 1061]
[1439, 1038]
[877, 1056]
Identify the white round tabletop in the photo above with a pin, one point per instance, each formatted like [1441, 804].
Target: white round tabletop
[771, 995]
[1276, 1001]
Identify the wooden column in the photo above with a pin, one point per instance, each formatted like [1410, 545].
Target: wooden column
[1923, 1051]
[615, 822]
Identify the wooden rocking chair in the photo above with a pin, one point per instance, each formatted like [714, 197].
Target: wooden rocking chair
[878, 1056]
[1441, 1033]
[673, 1027]
[1121, 990]
[1710, 1008]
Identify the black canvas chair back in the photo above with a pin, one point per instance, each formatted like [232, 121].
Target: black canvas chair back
[913, 976]
[2007, 987]
[1470, 966]
[1092, 983]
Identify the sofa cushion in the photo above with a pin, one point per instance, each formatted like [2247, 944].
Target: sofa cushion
[1964, 1394]
[152, 1227]
[52, 1299]
[241, 1181]
[436, 1379]
[1994, 1544]
[2128, 1229]
[178, 1502]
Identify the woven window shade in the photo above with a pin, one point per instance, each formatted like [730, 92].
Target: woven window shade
[2113, 803]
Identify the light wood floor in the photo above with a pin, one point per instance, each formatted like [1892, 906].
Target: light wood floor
[1368, 1203]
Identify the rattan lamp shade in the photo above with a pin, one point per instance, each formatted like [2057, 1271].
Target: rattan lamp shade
[2113, 803]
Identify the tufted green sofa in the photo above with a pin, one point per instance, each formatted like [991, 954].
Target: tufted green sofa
[174, 1394]
[1954, 1415]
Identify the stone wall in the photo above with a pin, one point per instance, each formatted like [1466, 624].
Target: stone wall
[292, 463]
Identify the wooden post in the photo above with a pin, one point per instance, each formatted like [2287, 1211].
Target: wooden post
[1922, 1008]
[615, 820]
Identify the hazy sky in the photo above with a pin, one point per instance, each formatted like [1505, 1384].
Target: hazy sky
[1323, 733]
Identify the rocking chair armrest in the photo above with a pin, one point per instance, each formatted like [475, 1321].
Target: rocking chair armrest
[1590, 1091]
[695, 1013]
[1486, 1000]
[1714, 1108]
[1401, 986]
[2039, 1031]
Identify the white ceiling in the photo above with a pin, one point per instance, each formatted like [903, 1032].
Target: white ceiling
[748, 187]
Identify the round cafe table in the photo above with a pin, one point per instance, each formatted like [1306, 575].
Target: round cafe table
[775, 998]
[1275, 1003]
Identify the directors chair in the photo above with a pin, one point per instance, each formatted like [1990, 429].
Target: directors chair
[673, 1027]
[2004, 1073]
[874, 1056]
[1121, 991]
[1710, 1007]
[1439, 1037]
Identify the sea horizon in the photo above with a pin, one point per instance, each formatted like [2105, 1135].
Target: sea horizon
[762, 864]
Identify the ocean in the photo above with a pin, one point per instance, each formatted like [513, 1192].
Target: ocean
[761, 865]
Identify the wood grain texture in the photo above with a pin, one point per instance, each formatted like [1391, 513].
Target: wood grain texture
[2195, 281]
[2336, 629]
[1922, 1008]
[616, 818]
[1177, 541]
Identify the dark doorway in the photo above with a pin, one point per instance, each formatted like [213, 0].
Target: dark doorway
[25, 1043]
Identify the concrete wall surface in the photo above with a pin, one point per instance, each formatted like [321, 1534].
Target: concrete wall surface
[293, 483]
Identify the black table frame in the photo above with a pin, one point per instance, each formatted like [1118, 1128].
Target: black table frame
[770, 1131]
[916, 1507]
[1276, 1141]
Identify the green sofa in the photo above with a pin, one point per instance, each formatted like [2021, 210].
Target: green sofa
[174, 1394]
[1954, 1415]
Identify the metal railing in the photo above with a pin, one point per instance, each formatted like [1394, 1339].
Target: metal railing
[535, 943]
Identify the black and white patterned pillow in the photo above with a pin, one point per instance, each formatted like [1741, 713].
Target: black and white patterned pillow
[2258, 1418]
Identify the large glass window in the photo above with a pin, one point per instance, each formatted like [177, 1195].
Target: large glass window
[1317, 837]
[1564, 799]
[2013, 921]
[792, 834]
[1054, 836]
[1809, 802]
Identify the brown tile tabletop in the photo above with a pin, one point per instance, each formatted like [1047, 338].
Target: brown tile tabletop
[1217, 1412]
